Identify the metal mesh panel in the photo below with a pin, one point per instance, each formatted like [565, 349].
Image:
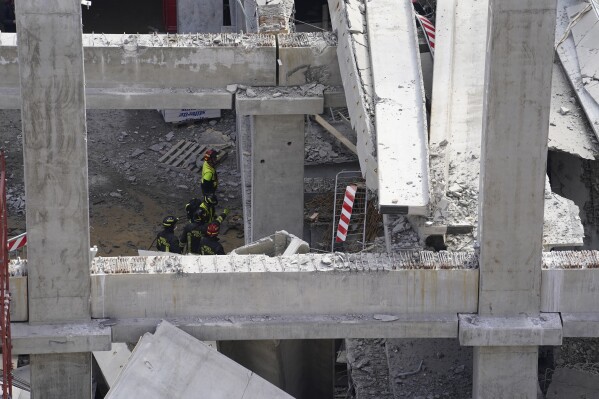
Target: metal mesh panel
[356, 228]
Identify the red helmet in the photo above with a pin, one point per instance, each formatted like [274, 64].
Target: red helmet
[213, 229]
[211, 155]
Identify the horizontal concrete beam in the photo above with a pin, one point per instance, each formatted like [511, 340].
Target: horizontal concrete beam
[297, 327]
[580, 324]
[288, 285]
[267, 102]
[475, 330]
[570, 290]
[10, 98]
[59, 338]
[204, 61]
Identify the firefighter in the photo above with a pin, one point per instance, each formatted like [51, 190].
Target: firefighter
[191, 207]
[209, 243]
[209, 181]
[166, 241]
[209, 205]
[193, 232]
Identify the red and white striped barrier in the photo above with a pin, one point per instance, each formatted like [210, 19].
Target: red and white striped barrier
[429, 30]
[346, 211]
[17, 242]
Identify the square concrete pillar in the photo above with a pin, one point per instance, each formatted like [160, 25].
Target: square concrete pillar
[514, 154]
[277, 175]
[505, 372]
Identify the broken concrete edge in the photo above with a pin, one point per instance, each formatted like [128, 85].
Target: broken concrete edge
[60, 338]
[267, 104]
[261, 327]
[475, 330]
[274, 245]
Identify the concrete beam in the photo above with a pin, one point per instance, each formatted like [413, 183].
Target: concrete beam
[580, 324]
[138, 99]
[400, 112]
[205, 61]
[308, 58]
[510, 331]
[570, 291]
[295, 285]
[261, 327]
[280, 101]
[59, 338]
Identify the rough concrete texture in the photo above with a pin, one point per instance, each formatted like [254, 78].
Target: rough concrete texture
[354, 63]
[569, 60]
[155, 370]
[306, 99]
[514, 155]
[274, 16]
[562, 226]
[545, 329]
[308, 58]
[113, 361]
[199, 17]
[277, 174]
[59, 338]
[400, 111]
[18, 295]
[63, 375]
[55, 157]
[586, 36]
[570, 383]
[505, 372]
[367, 364]
[244, 162]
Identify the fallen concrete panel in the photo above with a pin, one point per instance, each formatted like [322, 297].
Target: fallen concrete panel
[354, 64]
[545, 329]
[203, 61]
[567, 383]
[569, 129]
[586, 37]
[570, 290]
[280, 243]
[562, 226]
[155, 370]
[59, 338]
[308, 58]
[580, 324]
[263, 327]
[294, 285]
[569, 60]
[400, 114]
[113, 361]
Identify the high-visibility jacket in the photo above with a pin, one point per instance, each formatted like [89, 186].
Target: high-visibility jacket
[211, 246]
[211, 214]
[209, 181]
[191, 237]
[166, 241]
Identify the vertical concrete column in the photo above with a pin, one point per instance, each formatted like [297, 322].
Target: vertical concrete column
[55, 157]
[513, 166]
[277, 175]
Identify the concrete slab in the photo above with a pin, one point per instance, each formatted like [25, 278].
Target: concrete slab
[155, 370]
[59, 338]
[400, 112]
[262, 327]
[61, 375]
[586, 37]
[277, 101]
[280, 243]
[545, 329]
[569, 60]
[308, 58]
[113, 361]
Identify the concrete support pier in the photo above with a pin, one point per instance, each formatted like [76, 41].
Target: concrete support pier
[513, 166]
[277, 174]
[55, 157]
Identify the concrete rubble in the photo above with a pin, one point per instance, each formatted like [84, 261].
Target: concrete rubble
[171, 363]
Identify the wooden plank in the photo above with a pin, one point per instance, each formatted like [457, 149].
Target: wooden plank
[176, 155]
[171, 151]
[338, 135]
[181, 160]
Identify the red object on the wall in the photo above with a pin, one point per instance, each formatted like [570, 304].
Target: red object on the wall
[169, 15]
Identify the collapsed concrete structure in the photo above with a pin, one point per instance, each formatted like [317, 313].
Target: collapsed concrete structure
[505, 301]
